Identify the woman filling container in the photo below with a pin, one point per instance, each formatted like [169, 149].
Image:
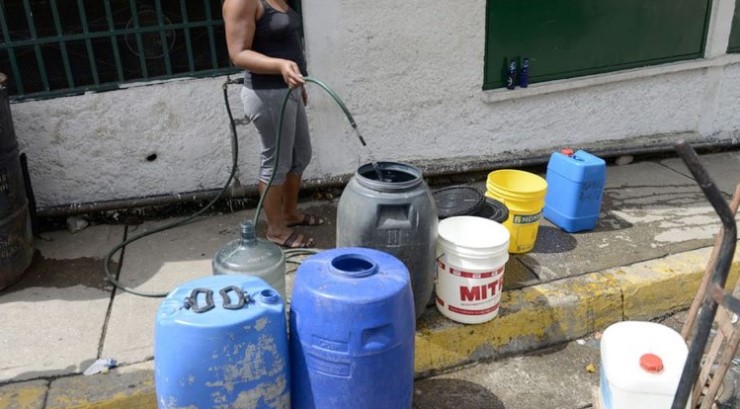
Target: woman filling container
[263, 38]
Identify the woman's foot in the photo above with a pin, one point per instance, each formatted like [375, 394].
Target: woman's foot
[302, 219]
[292, 240]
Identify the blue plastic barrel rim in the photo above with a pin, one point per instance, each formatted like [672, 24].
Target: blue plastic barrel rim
[354, 265]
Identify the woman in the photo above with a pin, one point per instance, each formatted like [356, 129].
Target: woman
[263, 38]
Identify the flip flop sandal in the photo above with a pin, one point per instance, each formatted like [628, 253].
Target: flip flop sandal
[308, 220]
[292, 239]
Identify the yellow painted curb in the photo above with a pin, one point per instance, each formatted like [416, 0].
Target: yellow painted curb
[548, 314]
[27, 395]
[130, 387]
[530, 318]
[134, 400]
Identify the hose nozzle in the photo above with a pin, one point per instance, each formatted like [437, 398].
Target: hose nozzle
[359, 135]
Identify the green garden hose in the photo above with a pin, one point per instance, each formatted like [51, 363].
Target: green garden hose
[290, 253]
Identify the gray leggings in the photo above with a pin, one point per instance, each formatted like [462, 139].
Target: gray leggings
[262, 107]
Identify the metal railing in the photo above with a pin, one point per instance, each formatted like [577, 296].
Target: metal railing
[61, 47]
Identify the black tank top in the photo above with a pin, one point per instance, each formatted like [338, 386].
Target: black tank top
[277, 35]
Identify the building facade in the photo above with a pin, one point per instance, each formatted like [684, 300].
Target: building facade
[424, 81]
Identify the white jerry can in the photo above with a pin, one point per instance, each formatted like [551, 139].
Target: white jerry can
[641, 365]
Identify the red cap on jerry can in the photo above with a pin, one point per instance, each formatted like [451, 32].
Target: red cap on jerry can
[651, 363]
[567, 151]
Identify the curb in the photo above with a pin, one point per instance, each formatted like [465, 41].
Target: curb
[543, 315]
[530, 318]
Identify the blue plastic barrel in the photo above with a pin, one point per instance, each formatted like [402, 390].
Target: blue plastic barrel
[575, 189]
[352, 331]
[221, 341]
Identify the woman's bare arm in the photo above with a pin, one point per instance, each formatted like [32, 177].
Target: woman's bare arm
[240, 20]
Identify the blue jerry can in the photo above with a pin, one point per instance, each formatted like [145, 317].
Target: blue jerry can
[352, 331]
[221, 341]
[575, 189]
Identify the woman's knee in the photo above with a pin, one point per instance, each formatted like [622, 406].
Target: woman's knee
[301, 161]
[278, 179]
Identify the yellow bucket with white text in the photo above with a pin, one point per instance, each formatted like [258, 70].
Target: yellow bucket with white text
[523, 193]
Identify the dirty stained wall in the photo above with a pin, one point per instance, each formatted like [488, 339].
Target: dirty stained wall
[410, 72]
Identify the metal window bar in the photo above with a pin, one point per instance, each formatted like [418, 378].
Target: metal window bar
[106, 74]
[163, 39]
[184, 11]
[139, 43]
[88, 42]
[11, 52]
[113, 42]
[209, 18]
[62, 44]
[36, 47]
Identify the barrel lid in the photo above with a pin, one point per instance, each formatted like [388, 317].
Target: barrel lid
[494, 210]
[457, 201]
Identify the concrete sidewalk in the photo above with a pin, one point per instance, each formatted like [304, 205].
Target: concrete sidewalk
[644, 259]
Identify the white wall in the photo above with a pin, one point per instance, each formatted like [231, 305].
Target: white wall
[410, 72]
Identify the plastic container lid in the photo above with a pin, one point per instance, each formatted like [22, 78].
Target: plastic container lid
[494, 210]
[651, 363]
[457, 201]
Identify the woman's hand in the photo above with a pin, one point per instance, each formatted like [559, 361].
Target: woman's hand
[291, 73]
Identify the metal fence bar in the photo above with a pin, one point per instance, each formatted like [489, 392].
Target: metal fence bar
[100, 34]
[88, 42]
[11, 52]
[211, 37]
[163, 38]
[188, 46]
[62, 44]
[113, 42]
[139, 43]
[37, 47]
[95, 40]
[113, 85]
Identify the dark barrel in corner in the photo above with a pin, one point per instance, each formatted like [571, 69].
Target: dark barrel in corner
[16, 239]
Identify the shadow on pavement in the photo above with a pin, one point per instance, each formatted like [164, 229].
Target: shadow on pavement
[453, 394]
[61, 274]
[553, 240]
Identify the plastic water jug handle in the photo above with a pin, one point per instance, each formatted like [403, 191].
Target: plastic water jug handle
[241, 298]
[192, 300]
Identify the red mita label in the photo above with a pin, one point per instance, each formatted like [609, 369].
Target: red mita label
[473, 312]
[481, 292]
[467, 274]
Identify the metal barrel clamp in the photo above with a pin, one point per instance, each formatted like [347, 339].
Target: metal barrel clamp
[191, 301]
[712, 294]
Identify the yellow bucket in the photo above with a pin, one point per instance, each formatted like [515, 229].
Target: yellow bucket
[523, 193]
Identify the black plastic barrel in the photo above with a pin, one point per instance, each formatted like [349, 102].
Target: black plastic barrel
[16, 239]
[390, 208]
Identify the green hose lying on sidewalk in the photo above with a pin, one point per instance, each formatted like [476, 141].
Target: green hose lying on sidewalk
[289, 254]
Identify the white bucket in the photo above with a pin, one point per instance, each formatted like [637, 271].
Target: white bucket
[641, 365]
[471, 255]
